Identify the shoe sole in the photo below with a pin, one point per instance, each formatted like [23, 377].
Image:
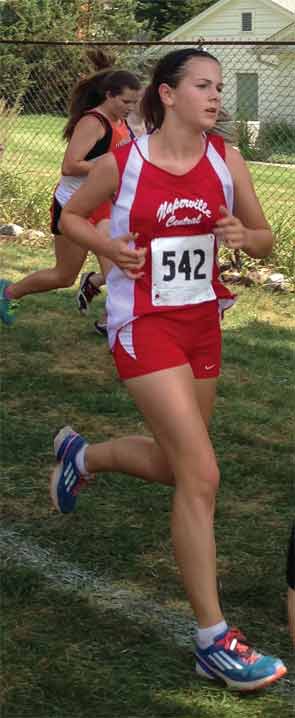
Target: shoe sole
[82, 302]
[204, 674]
[80, 298]
[243, 687]
[60, 437]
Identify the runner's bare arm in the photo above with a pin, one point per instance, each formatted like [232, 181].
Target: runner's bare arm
[87, 132]
[100, 185]
[247, 228]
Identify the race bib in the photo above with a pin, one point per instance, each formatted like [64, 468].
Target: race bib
[182, 270]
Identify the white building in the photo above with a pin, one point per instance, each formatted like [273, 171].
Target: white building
[259, 80]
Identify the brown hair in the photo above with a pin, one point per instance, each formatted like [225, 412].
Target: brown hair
[92, 90]
[169, 69]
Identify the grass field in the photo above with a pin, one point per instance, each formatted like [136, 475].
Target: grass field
[94, 618]
[35, 145]
[35, 149]
[30, 170]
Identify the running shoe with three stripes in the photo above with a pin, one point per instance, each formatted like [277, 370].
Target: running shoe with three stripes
[66, 481]
[231, 660]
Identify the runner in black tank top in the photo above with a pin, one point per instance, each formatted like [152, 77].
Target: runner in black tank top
[103, 98]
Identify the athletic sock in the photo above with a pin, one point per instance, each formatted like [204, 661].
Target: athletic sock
[80, 462]
[206, 636]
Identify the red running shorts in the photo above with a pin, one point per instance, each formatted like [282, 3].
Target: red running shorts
[168, 339]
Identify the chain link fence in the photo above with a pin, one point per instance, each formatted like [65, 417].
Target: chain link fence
[36, 80]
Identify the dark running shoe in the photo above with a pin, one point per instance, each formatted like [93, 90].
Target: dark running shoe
[101, 329]
[87, 291]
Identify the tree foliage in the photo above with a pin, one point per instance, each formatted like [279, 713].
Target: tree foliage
[116, 20]
[41, 75]
[166, 16]
[22, 66]
[39, 19]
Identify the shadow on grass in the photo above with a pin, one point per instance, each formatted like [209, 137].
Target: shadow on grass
[59, 372]
[65, 658]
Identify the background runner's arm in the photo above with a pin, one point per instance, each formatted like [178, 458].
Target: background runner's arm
[87, 132]
[100, 185]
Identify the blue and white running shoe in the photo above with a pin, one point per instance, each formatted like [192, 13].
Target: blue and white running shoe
[66, 481]
[7, 306]
[231, 660]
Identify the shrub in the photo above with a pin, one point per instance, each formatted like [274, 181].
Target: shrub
[14, 73]
[8, 115]
[282, 258]
[283, 255]
[277, 137]
[245, 141]
[21, 203]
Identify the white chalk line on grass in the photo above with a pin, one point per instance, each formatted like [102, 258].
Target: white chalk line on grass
[171, 623]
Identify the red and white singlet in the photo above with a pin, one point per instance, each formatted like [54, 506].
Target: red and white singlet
[174, 217]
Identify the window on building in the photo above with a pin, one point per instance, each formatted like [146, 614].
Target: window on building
[247, 23]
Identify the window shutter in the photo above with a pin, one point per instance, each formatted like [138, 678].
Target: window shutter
[246, 21]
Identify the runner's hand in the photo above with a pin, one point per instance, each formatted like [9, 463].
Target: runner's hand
[230, 230]
[130, 261]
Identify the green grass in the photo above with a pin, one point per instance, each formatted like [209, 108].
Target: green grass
[277, 179]
[68, 654]
[35, 145]
[283, 157]
[34, 151]
[30, 168]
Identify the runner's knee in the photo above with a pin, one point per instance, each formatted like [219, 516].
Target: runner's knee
[199, 481]
[65, 280]
[160, 465]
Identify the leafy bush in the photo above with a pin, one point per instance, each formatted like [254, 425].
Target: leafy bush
[245, 141]
[277, 137]
[283, 255]
[21, 203]
[13, 65]
[8, 115]
[275, 141]
[282, 258]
